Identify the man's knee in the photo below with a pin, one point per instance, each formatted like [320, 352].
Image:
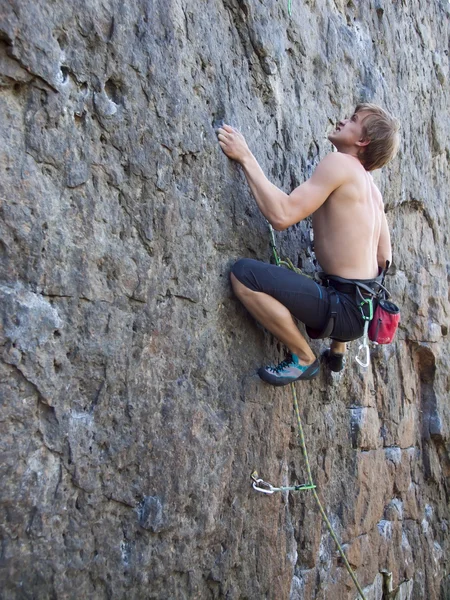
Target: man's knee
[243, 273]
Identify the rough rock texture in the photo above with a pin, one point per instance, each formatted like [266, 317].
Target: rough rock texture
[131, 417]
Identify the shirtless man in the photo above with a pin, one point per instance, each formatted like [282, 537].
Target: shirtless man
[351, 241]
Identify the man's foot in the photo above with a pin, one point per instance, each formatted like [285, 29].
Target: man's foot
[335, 360]
[289, 370]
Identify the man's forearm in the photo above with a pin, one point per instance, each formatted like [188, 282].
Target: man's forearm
[268, 197]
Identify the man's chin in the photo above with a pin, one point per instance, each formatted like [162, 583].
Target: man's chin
[332, 137]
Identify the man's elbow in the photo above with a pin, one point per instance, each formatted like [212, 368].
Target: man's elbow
[282, 222]
[278, 225]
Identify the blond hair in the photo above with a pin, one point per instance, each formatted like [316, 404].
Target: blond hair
[381, 129]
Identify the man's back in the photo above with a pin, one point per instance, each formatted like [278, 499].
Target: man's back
[347, 226]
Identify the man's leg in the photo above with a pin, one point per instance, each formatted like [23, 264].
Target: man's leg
[274, 296]
[338, 347]
[335, 356]
[276, 318]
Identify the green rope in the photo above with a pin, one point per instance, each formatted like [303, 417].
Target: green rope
[289, 7]
[273, 245]
[288, 263]
[316, 497]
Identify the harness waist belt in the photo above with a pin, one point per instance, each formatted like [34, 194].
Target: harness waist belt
[348, 286]
[360, 288]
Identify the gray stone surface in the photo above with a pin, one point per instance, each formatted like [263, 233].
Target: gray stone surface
[131, 415]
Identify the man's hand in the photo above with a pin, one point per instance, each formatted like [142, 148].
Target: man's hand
[233, 143]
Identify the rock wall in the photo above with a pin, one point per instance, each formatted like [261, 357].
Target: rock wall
[131, 414]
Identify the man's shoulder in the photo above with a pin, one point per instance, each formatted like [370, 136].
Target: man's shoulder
[338, 161]
[340, 158]
[339, 167]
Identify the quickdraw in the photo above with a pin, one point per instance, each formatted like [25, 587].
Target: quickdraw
[267, 488]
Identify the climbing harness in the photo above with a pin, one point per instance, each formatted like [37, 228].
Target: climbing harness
[369, 294]
[266, 488]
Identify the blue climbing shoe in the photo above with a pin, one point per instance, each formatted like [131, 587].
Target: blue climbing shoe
[288, 371]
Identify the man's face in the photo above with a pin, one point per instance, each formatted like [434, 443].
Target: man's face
[349, 131]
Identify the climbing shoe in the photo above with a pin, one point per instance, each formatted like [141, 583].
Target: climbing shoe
[289, 370]
[336, 362]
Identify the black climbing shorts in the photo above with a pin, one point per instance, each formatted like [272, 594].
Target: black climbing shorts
[306, 300]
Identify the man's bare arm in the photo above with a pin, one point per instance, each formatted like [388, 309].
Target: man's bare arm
[280, 209]
[384, 250]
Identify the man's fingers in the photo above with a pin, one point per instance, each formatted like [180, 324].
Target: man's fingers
[225, 149]
[227, 131]
[228, 137]
[221, 133]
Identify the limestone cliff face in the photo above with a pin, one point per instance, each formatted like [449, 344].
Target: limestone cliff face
[131, 414]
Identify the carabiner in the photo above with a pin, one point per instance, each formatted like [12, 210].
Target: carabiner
[363, 346]
[256, 481]
[268, 490]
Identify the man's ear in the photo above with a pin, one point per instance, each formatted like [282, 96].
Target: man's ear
[362, 142]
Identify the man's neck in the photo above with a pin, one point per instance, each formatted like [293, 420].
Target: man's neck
[351, 152]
